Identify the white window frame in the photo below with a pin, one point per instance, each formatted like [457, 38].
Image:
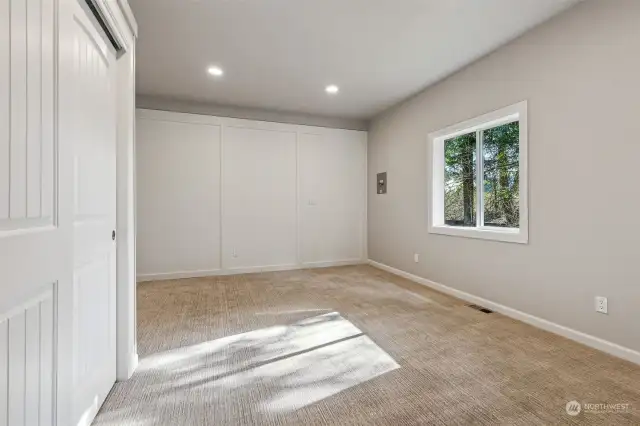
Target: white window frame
[435, 150]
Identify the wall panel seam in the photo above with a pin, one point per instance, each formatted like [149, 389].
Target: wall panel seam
[10, 122]
[41, 135]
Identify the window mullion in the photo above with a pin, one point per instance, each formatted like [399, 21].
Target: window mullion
[480, 180]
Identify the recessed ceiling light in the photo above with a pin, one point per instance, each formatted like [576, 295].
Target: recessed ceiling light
[215, 71]
[332, 89]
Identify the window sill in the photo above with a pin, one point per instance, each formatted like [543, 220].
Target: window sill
[494, 234]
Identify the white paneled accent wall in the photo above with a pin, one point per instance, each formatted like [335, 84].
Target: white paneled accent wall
[178, 172]
[259, 213]
[332, 202]
[27, 116]
[220, 195]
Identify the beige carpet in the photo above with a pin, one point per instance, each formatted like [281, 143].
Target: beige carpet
[353, 346]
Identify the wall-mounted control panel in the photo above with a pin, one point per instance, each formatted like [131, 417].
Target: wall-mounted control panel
[381, 183]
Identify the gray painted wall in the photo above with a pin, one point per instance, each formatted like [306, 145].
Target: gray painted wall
[580, 73]
[167, 104]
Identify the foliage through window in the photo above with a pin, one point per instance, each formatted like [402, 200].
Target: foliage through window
[501, 157]
[500, 177]
[460, 180]
[478, 176]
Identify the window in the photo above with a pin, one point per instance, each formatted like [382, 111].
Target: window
[479, 177]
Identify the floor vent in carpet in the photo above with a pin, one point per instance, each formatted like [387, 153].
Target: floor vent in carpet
[481, 309]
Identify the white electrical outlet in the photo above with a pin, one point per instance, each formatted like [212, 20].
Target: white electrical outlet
[601, 304]
[416, 257]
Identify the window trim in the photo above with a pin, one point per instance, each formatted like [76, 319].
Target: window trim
[435, 153]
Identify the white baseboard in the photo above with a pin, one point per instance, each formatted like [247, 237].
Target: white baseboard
[125, 372]
[161, 276]
[133, 364]
[236, 271]
[332, 263]
[578, 336]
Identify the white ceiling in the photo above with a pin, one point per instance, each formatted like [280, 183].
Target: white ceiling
[280, 54]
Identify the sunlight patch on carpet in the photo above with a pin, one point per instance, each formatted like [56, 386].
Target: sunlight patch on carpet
[280, 368]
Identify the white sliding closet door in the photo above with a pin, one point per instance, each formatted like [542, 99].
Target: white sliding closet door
[332, 171]
[259, 198]
[32, 247]
[57, 213]
[88, 92]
